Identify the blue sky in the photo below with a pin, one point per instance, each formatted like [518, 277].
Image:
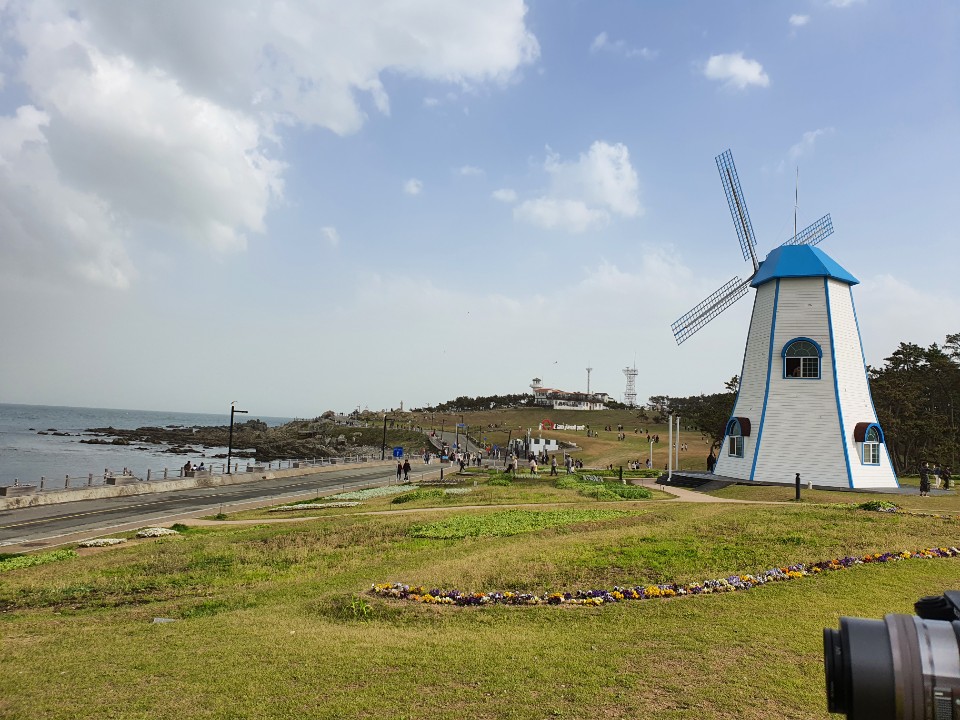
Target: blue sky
[303, 206]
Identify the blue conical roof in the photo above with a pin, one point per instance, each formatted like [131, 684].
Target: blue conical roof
[796, 261]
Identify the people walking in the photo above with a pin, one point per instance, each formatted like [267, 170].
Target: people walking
[399, 470]
[406, 470]
[711, 461]
[553, 465]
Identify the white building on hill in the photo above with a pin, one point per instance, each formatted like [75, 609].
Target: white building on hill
[565, 400]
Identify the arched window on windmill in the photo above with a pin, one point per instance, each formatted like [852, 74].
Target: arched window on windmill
[737, 429]
[868, 436]
[801, 359]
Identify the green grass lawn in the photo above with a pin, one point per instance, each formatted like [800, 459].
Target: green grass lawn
[275, 621]
[472, 488]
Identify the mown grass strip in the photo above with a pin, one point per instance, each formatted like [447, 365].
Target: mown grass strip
[508, 522]
[18, 562]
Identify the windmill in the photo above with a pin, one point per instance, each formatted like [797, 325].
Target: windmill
[804, 403]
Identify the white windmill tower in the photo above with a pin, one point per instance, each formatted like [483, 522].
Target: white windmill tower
[804, 404]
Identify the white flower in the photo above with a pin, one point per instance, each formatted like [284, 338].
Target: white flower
[101, 542]
[374, 492]
[313, 506]
[152, 532]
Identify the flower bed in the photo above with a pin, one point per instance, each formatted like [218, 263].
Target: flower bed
[101, 542]
[640, 592]
[314, 506]
[155, 532]
[384, 491]
[457, 491]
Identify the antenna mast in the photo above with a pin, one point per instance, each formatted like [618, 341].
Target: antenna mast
[796, 202]
[589, 370]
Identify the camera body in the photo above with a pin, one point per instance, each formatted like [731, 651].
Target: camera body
[904, 667]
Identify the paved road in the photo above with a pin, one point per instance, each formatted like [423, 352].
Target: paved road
[52, 525]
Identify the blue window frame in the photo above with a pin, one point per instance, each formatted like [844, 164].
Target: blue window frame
[801, 359]
[734, 438]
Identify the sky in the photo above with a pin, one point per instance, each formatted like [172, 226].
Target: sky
[311, 205]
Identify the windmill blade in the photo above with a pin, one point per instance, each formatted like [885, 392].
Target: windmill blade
[709, 309]
[820, 230]
[738, 208]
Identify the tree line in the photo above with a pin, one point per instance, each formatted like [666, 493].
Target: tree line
[916, 394]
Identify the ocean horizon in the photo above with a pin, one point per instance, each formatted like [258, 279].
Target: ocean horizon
[26, 456]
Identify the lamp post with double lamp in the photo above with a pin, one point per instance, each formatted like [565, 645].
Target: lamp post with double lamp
[233, 411]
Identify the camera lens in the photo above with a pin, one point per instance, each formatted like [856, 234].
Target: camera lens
[901, 668]
[859, 669]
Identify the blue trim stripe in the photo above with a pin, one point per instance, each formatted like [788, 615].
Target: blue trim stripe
[836, 382]
[766, 392]
[870, 390]
[736, 400]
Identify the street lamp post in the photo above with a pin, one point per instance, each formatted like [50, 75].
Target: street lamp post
[383, 445]
[233, 410]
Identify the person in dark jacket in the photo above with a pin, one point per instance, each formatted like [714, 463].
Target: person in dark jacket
[399, 470]
[711, 461]
[924, 480]
[406, 470]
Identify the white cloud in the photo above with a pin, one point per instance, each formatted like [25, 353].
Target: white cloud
[558, 213]
[49, 228]
[585, 193]
[430, 102]
[807, 142]
[799, 20]
[603, 43]
[844, 3]
[151, 128]
[891, 311]
[412, 186]
[736, 71]
[505, 195]
[583, 301]
[330, 235]
[470, 170]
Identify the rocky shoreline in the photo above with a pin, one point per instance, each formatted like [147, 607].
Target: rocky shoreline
[254, 439]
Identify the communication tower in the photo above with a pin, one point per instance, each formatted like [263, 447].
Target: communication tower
[589, 370]
[630, 396]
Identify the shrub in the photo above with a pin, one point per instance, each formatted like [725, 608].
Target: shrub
[879, 506]
[502, 481]
[421, 494]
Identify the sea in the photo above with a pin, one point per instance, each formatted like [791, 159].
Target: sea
[26, 456]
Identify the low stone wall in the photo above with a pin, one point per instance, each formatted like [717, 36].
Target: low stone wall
[144, 488]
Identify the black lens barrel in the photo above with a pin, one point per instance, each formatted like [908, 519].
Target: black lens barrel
[859, 667]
